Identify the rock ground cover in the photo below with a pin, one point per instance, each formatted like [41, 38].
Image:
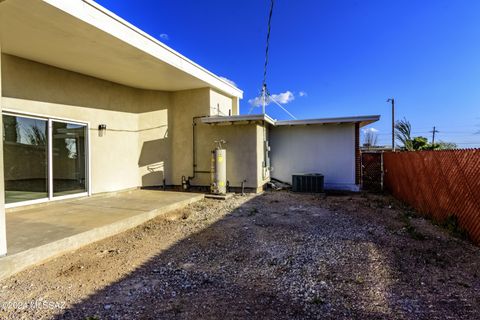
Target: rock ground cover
[273, 256]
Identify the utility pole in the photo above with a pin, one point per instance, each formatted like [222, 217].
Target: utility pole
[392, 101]
[433, 135]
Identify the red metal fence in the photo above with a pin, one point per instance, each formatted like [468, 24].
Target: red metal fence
[438, 183]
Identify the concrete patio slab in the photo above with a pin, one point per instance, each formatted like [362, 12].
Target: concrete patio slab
[36, 234]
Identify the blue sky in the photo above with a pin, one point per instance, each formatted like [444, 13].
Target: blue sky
[336, 57]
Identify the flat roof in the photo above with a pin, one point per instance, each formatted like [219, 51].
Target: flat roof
[362, 120]
[238, 119]
[84, 37]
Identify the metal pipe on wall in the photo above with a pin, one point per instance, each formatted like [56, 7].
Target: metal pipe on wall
[194, 151]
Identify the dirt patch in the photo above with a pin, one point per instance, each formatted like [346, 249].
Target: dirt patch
[275, 256]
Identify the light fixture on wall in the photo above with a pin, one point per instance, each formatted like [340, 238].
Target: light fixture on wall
[102, 130]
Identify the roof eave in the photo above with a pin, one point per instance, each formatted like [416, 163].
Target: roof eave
[113, 16]
[239, 119]
[99, 34]
[362, 120]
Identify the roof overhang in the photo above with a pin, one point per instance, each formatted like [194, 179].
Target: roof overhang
[240, 119]
[82, 36]
[362, 120]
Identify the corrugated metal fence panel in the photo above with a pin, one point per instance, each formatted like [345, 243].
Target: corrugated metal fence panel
[438, 183]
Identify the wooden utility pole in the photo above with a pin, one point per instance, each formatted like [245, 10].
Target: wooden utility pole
[433, 135]
[392, 100]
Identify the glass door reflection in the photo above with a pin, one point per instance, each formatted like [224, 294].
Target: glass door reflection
[25, 158]
[68, 158]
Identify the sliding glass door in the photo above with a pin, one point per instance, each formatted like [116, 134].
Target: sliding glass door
[44, 159]
[68, 158]
[25, 158]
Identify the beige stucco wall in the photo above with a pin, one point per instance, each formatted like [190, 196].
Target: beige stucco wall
[186, 105]
[242, 140]
[241, 145]
[149, 133]
[154, 141]
[220, 105]
[135, 118]
[327, 149]
[235, 106]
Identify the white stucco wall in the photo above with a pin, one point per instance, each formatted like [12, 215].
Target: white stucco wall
[326, 149]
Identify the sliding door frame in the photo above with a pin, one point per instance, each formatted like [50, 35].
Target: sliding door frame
[50, 120]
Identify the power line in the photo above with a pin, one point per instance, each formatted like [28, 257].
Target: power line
[269, 27]
[444, 133]
[265, 95]
[468, 142]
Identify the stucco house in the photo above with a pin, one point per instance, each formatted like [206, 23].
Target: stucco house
[91, 104]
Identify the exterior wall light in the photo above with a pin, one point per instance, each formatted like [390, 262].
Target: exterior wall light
[102, 130]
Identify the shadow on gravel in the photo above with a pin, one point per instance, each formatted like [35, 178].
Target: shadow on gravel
[292, 261]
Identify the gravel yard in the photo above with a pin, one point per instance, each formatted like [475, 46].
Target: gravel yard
[274, 256]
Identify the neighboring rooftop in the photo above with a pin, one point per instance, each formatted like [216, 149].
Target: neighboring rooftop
[240, 119]
[362, 120]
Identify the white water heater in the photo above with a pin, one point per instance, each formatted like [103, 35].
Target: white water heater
[218, 184]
